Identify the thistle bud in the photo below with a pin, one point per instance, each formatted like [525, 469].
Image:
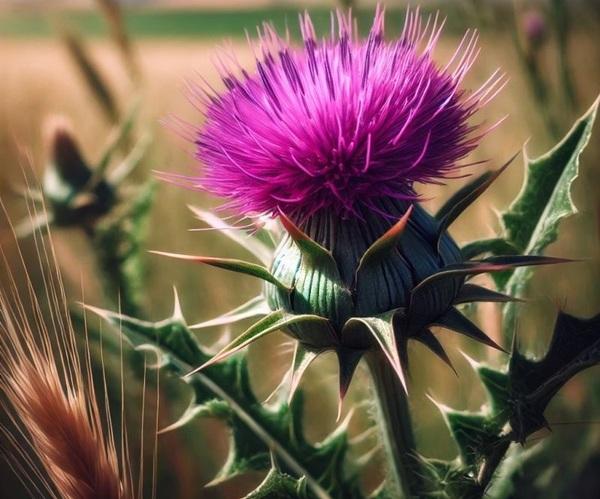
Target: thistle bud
[362, 283]
[75, 196]
[534, 29]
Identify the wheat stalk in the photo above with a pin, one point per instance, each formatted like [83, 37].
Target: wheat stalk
[48, 390]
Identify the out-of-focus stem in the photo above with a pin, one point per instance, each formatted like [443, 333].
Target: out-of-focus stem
[535, 79]
[491, 463]
[393, 417]
[560, 16]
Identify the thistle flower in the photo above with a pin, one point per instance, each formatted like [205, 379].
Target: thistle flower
[341, 123]
[331, 139]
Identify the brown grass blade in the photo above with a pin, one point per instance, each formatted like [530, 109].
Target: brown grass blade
[112, 12]
[91, 74]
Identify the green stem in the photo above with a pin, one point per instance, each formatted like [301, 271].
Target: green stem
[396, 426]
[491, 463]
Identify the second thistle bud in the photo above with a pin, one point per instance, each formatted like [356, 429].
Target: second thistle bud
[76, 197]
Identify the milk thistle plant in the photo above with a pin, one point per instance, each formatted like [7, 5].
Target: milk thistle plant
[322, 148]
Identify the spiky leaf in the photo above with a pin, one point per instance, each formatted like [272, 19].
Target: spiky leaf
[532, 220]
[280, 485]
[273, 322]
[475, 433]
[575, 346]
[231, 264]
[223, 391]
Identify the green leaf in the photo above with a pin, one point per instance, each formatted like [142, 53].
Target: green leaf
[531, 222]
[223, 391]
[497, 386]
[475, 433]
[281, 486]
[272, 323]
[231, 264]
[575, 346]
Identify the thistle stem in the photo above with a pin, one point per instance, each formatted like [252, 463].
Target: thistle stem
[394, 419]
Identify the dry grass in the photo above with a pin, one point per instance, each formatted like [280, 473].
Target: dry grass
[65, 450]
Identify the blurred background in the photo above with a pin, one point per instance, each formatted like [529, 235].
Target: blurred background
[87, 61]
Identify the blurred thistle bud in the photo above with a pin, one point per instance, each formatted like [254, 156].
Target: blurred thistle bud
[534, 29]
[74, 194]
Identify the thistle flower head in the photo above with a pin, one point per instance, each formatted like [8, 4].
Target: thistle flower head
[340, 123]
[331, 138]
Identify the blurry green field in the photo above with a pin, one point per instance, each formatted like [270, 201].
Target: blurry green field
[183, 23]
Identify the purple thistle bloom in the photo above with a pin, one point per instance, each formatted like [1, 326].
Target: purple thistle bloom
[341, 123]
[534, 27]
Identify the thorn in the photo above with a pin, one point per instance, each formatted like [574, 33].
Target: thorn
[343, 426]
[428, 339]
[471, 293]
[177, 312]
[475, 365]
[278, 388]
[100, 312]
[362, 437]
[514, 344]
[444, 409]
[348, 360]
[457, 322]
[363, 460]
[303, 357]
